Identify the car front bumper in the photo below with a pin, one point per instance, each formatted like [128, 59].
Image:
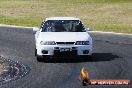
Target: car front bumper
[56, 50]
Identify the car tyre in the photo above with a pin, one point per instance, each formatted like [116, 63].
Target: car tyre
[87, 57]
[35, 52]
[90, 58]
[39, 58]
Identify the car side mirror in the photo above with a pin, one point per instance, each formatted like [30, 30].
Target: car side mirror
[88, 29]
[35, 29]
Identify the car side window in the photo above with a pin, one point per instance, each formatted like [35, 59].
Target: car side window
[79, 27]
[45, 26]
[42, 25]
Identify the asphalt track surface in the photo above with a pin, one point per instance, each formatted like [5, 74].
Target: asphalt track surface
[112, 59]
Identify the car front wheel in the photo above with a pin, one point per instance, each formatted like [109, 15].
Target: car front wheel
[39, 58]
[35, 52]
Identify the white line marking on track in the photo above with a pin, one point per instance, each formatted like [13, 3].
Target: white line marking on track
[115, 33]
[4, 25]
[13, 26]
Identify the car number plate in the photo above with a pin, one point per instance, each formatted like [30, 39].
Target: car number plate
[65, 50]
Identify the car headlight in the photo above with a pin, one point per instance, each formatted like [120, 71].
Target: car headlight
[82, 43]
[47, 43]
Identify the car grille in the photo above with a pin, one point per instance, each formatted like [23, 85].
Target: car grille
[65, 43]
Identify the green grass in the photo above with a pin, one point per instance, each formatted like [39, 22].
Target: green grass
[101, 15]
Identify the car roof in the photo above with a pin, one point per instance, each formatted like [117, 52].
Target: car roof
[62, 18]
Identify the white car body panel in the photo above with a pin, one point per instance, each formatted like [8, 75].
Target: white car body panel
[62, 18]
[63, 36]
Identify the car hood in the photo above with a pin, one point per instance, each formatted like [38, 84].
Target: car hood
[63, 36]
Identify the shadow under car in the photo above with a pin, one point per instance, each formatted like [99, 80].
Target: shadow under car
[96, 57]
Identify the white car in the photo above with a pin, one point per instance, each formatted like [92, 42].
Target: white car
[60, 36]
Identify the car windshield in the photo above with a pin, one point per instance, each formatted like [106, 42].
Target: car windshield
[62, 26]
